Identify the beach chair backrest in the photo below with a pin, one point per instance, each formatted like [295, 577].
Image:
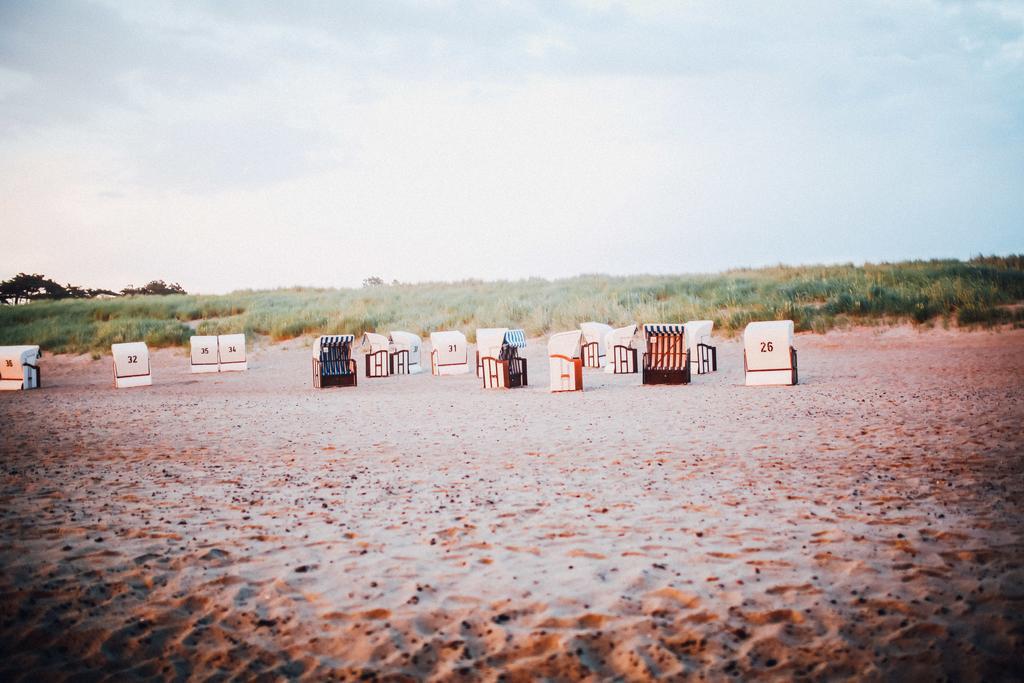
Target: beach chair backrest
[335, 353]
[666, 346]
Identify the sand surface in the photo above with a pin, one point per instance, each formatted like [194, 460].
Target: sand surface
[866, 524]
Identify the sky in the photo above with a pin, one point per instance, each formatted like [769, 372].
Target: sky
[230, 145]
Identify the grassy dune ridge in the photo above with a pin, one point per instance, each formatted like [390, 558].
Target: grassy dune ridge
[981, 291]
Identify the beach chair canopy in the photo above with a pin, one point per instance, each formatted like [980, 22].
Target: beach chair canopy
[489, 340]
[450, 347]
[407, 341]
[767, 345]
[373, 343]
[627, 336]
[19, 367]
[566, 344]
[332, 344]
[515, 338]
[595, 332]
[663, 330]
[698, 332]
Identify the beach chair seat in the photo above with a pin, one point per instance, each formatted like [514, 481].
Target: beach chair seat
[131, 365]
[333, 364]
[507, 369]
[621, 348]
[19, 368]
[666, 360]
[405, 353]
[703, 355]
[449, 353]
[769, 357]
[593, 351]
[564, 363]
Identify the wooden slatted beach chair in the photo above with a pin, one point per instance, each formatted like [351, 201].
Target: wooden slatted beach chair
[449, 353]
[405, 353]
[131, 365]
[19, 368]
[593, 351]
[377, 354]
[564, 363]
[621, 344]
[508, 369]
[769, 357]
[204, 353]
[666, 360]
[703, 356]
[488, 343]
[333, 364]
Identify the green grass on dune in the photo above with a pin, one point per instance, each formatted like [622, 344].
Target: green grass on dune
[981, 291]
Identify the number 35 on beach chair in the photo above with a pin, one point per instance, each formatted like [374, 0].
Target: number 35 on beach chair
[333, 365]
[131, 365]
[768, 354]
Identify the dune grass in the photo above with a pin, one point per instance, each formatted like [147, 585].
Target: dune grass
[984, 291]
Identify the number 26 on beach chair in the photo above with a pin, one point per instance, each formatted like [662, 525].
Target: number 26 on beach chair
[507, 370]
[564, 362]
[666, 360]
[333, 365]
[768, 354]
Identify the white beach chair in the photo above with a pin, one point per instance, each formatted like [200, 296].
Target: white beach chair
[405, 353]
[621, 345]
[769, 357]
[502, 367]
[703, 356]
[488, 343]
[593, 351]
[131, 365]
[19, 368]
[232, 353]
[564, 363]
[204, 353]
[377, 353]
[449, 353]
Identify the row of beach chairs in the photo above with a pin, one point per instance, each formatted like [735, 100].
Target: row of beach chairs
[660, 353]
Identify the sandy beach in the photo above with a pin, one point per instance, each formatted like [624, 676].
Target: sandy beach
[867, 524]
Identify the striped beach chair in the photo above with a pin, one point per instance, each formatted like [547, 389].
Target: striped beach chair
[508, 369]
[333, 365]
[666, 360]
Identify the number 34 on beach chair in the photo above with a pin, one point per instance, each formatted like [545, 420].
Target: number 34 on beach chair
[333, 365]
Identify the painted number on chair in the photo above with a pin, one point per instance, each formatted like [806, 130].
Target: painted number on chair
[9, 363]
[767, 347]
[232, 349]
[133, 359]
[451, 348]
[203, 350]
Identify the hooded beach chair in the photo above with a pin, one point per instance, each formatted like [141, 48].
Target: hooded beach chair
[333, 364]
[231, 353]
[621, 345]
[703, 356]
[131, 365]
[506, 369]
[564, 363]
[204, 353]
[405, 353]
[666, 360]
[449, 353]
[768, 353]
[19, 368]
[593, 351]
[377, 350]
[488, 343]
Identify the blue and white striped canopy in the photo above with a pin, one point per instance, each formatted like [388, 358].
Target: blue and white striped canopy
[336, 339]
[660, 329]
[516, 338]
